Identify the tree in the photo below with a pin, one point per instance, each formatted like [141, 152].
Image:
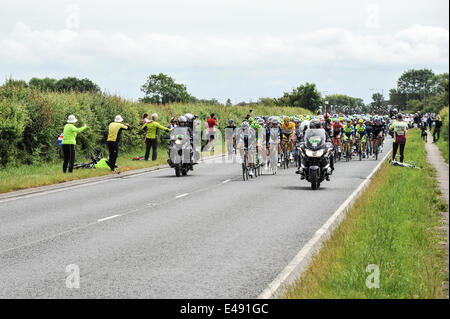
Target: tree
[413, 82]
[77, 85]
[379, 104]
[305, 96]
[45, 84]
[228, 103]
[267, 101]
[161, 88]
[342, 102]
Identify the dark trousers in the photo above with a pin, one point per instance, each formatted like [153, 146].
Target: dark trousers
[394, 151]
[438, 132]
[113, 153]
[151, 143]
[69, 156]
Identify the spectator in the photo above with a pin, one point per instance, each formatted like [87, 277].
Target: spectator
[114, 134]
[173, 123]
[145, 119]
[69, 141]
[212, 123]
[152, 136]
[429, 121]
[437, 129]
[399, 128]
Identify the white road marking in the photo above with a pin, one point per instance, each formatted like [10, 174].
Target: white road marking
[69, 187]
[224, 182]
[107, 218]
[182, 195]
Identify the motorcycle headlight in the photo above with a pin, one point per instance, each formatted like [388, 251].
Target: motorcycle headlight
[318, 153]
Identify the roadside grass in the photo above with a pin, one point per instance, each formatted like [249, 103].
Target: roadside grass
[28, 176]
[443, 147]
[392, 225]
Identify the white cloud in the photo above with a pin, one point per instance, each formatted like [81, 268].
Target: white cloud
[415, 45]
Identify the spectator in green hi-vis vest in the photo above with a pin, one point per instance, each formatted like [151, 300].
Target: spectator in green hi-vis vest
[153, 128]
[69, 141]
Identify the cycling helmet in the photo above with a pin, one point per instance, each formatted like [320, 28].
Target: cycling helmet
[182, 119]
[260, 121]
[230, 121]
[308, 117]
[361, 121]
[315, 124]
[189, 116]
[251, 119]
[292, 118]
[296, 120]
[245, 125]
[378, 120]
[274, 120]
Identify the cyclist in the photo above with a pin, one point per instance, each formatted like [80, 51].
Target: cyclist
[246, 139]
[337, 133]
[360, 131]
[328, 126]
[230, 137]
[377, 134]
[305, 125]
[288, 134]
[369, 132]
[273, 137]
[349, 134]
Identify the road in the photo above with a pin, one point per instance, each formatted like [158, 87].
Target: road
[206, 235]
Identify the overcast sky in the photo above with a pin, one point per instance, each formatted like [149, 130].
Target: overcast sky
[240, 50]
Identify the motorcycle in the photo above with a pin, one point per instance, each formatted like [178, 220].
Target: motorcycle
[317, 155]
[180, 151]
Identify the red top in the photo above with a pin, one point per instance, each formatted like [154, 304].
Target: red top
[212, 123]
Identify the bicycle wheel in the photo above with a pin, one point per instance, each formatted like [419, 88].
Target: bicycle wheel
[377, 148]
[360, 151]
[245, 168]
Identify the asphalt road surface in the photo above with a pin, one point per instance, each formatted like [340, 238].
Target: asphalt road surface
[206, 235]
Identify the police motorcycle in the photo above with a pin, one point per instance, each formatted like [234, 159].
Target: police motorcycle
[316, 157]
[180, 149]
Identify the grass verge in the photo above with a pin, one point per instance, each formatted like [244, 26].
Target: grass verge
[443, 147]
[28, 176]
[392, 225]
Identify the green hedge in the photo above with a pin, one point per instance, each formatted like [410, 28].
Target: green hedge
[444, 118]
[31, 120]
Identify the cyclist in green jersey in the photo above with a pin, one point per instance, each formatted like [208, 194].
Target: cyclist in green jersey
[360, 130]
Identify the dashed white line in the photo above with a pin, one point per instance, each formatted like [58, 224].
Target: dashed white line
[182, 195]
[107, 218]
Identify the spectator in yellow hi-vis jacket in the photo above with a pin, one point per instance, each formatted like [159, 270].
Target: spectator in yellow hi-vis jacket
[69, 141]
[114, 134]
[153, 128]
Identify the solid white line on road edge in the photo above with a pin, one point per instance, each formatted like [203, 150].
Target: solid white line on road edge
[182, 195]
[301, 261]
[107, 218]
[87, 183]
[9, 199]
[226, 181]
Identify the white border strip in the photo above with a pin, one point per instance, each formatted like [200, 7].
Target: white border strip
[301, 261]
